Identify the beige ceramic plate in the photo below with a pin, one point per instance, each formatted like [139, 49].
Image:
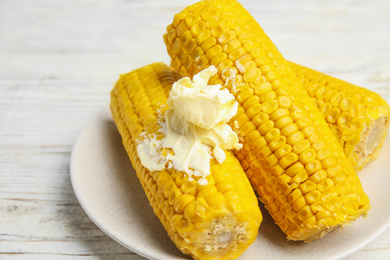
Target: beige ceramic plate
[108, 190]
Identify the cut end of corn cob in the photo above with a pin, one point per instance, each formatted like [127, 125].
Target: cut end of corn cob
[218, 219]
[358, 117]
[371, 141]
[289, 153]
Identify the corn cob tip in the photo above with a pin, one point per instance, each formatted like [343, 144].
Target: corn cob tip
[224, 239]
[372, 139]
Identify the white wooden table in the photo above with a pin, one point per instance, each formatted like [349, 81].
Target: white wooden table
[59, 59]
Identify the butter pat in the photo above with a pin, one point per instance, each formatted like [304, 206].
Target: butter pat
[203, 105]
[195, 127]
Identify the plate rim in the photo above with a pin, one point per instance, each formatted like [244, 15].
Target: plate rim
[79, 197]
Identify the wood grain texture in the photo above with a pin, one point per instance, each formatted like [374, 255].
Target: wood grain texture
[59, 59]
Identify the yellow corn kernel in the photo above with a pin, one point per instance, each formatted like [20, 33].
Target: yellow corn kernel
[253, 100]
[300, 177]
[282, 151]
[282, 122]
[277, 143]
[260, 118]
[313, 196]
[272, 134]
[253, 111]
[264, 153]
[244, 95]
[294, 169]
[299, 203]
[264, 128]
[295, 138]
[252, 137]
[269, 95]
[247, 128]
[313, 166]
[307, 186]
[269, 106]
[325, 184]
[284, 102]
[288, 160]
[334, 171]
[318, 176]
[304, 213]
[182, 201]
[307, 156]
[301, 146]
[270, 161]
[262, 88]
[279, 113]
[258, 144]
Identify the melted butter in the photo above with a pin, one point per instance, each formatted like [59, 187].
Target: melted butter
[195, 128]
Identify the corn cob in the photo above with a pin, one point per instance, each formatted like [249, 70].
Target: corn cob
[290, 155]
[214, 221]
[358, 117]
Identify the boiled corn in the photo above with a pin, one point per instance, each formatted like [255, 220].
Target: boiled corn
[358, 117]
[290, 155]
[214, 221]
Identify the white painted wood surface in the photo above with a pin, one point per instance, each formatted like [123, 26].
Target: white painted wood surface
[59, 59]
